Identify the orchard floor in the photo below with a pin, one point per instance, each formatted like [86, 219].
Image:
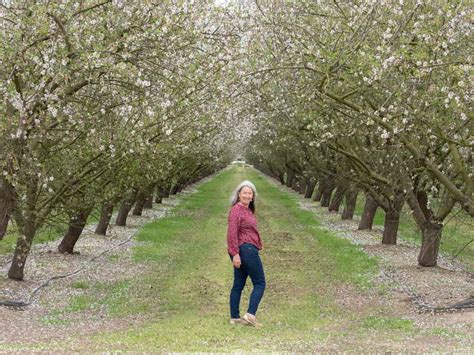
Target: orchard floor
[168, 289]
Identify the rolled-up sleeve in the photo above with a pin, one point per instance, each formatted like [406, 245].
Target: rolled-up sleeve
[232, 232]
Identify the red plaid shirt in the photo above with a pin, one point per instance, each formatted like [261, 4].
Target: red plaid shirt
[241, 228]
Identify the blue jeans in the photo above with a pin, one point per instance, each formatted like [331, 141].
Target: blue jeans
[251, 266]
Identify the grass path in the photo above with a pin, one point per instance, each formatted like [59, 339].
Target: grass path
[319, 294]
[194, 274]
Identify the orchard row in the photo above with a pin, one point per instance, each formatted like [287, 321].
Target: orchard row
[370, 97]
[103, 104]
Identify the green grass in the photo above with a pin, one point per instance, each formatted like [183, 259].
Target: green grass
[80, 285]
[80, 303]
[114, 257]
[378, 323]
[192, 275]
[346, 262]
[448, 333]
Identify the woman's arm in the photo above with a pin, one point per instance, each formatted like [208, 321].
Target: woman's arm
[233, 232]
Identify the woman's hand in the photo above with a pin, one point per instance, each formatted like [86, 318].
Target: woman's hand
[236, 261]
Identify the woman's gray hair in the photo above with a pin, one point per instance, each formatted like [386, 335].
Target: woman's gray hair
[235, 196]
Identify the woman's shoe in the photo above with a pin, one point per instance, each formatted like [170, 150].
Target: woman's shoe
[238, 321]
[252, 320]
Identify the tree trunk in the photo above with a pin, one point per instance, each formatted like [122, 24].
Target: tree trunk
[319, 192]
[158, 194]
[125, 208]
[165, 191]
[337, 198]
[3, 225]
[181, 187]
[390, 230]
[158, 198]
[430, 224]
[281, 177]
[7, 201]
[431, 239]
[76, 226]
[149, 201]
[351, 200]
[326, 198]
[392, 219]
[302, 186]
[290, 177]
[174, 189]
[28, 226]
[311, 183]
[141, 199]
[295, 184]
[367, 218]
[23, 246]
[105, 216]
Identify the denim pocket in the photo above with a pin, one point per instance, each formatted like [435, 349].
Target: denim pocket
[249, 249]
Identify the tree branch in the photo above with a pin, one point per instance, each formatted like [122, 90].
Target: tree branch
[91, 8]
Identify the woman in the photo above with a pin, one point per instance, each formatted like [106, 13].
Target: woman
[243, 245]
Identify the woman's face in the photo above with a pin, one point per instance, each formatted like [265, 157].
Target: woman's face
[246, 195]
